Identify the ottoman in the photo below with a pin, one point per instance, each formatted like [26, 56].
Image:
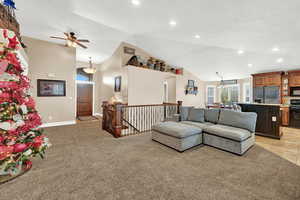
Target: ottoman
[177, 135]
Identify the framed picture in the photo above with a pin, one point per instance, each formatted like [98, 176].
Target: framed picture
[191, 83]
[118, 81]
[51, 88]
[129, 50]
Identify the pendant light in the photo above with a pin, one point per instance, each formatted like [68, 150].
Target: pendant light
[221, 86]
[90, 69]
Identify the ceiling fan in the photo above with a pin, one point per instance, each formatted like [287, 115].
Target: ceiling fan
[72, 40]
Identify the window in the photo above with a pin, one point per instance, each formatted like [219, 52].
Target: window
[230, 94]
[247, 97]
[211, 94]
[82, 76]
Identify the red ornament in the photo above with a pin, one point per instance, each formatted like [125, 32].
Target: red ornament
[19, 148]
[38, 141]
[13, 42]
[12, 59]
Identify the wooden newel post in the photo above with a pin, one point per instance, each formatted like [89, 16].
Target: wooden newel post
[118, 125]
[104, 114]
[179, 104]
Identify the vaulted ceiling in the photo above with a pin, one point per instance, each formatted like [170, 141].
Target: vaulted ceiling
[225, 27]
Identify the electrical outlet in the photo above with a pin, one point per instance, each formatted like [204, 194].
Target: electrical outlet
[50, 117]
[274, 119]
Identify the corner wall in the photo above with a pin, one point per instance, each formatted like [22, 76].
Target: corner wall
[190, 100]
[46, 58]
[144, 86]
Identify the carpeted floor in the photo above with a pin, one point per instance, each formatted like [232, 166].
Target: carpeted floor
[86, 163]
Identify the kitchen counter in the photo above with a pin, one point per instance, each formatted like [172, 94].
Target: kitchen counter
[266, 104]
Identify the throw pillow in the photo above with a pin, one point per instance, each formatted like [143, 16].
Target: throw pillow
[196, 115]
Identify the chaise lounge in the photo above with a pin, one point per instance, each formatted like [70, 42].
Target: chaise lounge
[224, 129]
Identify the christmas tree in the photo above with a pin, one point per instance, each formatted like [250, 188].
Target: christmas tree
[20, 137]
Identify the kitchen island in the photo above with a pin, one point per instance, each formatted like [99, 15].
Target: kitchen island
[268, 118]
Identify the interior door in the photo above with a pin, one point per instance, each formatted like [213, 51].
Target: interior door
[84, 100]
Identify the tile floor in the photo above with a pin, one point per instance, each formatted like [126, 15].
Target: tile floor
[288, 147]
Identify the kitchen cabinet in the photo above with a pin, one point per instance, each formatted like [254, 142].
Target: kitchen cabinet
[259, 81]
[285, 86]
[294, 78]
[267, 79]
[285, 116]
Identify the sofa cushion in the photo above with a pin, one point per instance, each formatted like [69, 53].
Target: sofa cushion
[184, 112]
[212, 115]
[245, 120]
[229, 132]
[177, 130]
[203, 126]
[196, 115]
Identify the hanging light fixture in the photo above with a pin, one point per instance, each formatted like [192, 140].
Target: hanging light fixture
[90, 69]
[222, 80]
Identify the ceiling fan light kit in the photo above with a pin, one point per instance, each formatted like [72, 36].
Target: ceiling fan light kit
[72, 40]
[71, 44]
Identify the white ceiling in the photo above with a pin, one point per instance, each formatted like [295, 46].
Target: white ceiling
[225, 26]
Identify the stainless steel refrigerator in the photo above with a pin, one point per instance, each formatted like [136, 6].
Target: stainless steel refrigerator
[269, 95]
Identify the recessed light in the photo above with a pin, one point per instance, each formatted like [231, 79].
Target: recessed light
[279, 60]
[275, 49]
[240, 52]
[136, 2]
[172, 23]
[197, 36]
[250, 65]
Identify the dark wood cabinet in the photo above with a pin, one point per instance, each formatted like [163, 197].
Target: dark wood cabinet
[294, 78]
[268, 119]
[285, 113]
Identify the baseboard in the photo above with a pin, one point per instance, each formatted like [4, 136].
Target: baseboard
[64, 123]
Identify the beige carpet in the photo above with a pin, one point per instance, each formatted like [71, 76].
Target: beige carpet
[86, 163]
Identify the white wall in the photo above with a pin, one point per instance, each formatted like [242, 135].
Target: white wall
[58, 61]
[147, 86]
[190, 100]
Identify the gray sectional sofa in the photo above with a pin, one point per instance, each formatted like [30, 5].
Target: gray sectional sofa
[224, 129]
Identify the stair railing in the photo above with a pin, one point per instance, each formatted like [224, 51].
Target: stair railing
[123, 120]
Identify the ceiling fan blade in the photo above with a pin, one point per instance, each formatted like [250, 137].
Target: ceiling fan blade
[81, 44]
[58, 38]
[83, 40]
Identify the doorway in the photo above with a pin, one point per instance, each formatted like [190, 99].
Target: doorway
[84, 99]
